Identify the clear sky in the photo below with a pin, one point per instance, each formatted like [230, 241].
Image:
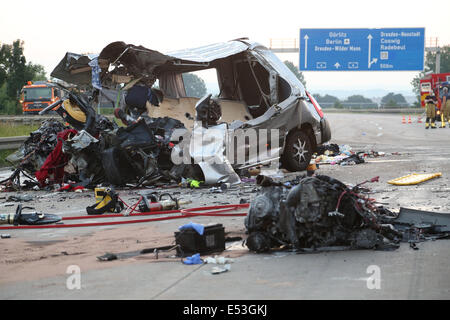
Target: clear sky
[51, 28]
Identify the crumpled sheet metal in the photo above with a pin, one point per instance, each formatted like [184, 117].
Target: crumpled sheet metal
[74, 68]
[210, 52]
[138, 60]
[207, 148]
[82, 140]
[420, 218]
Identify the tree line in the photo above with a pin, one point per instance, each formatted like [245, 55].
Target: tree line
[391, 100]
[15, 71]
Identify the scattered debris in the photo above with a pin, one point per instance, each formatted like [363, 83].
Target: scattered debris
[218, 270]
[194, 259]
[218, 260]
[344, 155]
[20, 198]
[107, 257]
[322, 211]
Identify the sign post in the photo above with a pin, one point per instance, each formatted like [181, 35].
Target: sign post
[393, 49]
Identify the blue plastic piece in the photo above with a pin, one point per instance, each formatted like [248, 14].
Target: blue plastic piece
[194, 259]
[196, 226]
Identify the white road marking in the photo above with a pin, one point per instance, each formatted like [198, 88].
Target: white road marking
[408, 160]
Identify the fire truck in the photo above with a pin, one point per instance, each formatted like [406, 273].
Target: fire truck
[36, 96]
[433, 84]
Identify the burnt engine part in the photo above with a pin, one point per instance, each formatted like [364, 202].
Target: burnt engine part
[319, 212]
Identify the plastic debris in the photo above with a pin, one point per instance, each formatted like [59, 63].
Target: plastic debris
[191, 225]
[218, 260]
[190, 183]
[194, 259]
[218, 270]
[414, 178]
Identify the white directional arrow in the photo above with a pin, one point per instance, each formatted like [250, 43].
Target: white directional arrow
[306, 49]
[337, 65]
[370, 44]
[374, 60]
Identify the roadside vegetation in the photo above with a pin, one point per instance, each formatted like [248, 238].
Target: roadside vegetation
[3, 155]
[389, 101]
[15, 71]
[12, 130]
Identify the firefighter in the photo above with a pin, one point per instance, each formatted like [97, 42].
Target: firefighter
[445, 107]
[431, 112]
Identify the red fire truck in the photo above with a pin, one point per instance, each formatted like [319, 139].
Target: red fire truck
[434, 83]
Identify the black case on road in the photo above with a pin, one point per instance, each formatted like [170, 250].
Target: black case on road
[190, 242]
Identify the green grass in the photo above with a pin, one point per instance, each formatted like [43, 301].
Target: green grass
[12, 130]
[106, 111]
[3, 155]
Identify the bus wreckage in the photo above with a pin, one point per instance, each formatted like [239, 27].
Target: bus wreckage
[259, 98]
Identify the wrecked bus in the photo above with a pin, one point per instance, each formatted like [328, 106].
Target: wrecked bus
[257, 92]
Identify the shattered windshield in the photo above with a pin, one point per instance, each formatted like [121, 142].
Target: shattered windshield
[33, 94]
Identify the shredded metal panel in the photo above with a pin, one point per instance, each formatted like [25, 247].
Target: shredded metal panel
[210, 52]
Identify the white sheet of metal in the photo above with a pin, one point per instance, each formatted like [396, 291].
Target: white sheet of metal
[210, 52]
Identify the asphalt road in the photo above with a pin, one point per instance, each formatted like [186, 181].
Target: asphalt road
[403, 274]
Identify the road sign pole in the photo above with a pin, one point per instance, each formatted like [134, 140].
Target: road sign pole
[438, 60]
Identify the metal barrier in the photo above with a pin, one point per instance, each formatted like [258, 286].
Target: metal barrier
[12, 142]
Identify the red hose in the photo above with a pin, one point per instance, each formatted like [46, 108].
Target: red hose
[185, 213]
[232, 207]
[118, 215]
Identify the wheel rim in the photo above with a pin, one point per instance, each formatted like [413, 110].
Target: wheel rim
[300, 151]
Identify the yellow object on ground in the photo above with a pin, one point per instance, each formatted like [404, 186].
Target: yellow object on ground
[102, 197]
[414, 178]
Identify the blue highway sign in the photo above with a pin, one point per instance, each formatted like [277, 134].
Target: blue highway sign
[387, 49]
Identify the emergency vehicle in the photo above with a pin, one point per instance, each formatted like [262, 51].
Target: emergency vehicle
[433, 84]
[38, 95]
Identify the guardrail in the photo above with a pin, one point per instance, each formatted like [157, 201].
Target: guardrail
[12, 142]
[24, 120]
[33, 119]
[376, 111]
